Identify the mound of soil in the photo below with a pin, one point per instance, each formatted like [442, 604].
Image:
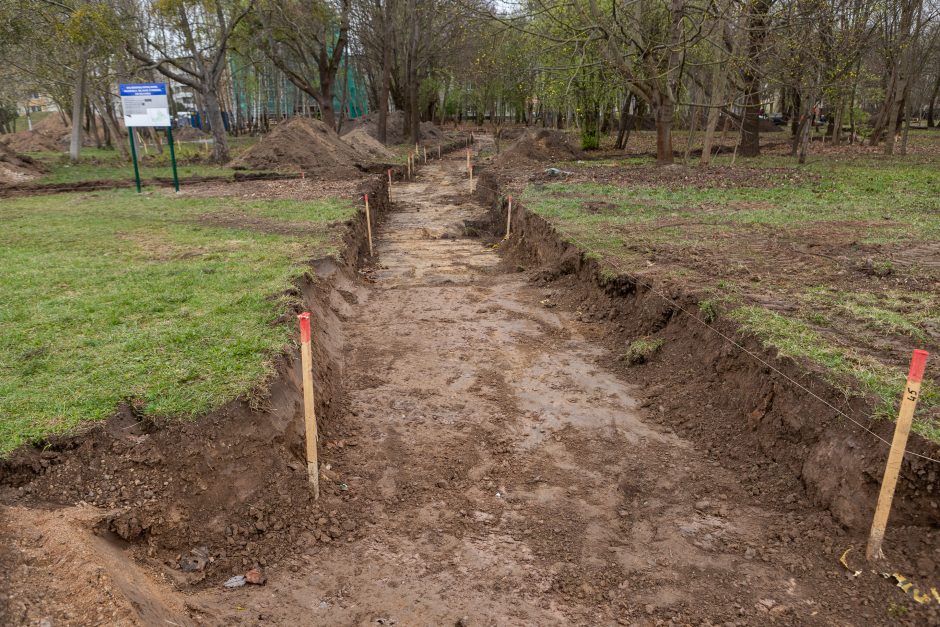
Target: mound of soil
[17, 168]
[363, 143]
[540, 144]
[29, 141]
[303, 145]
[189, 133]
[52, 126]
[395, 131]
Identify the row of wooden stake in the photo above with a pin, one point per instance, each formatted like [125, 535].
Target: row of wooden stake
[895, 456]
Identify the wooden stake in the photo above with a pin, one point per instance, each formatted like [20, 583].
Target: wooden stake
[471, 176]
[896, 455]
[310, 416]
[438, 152]
[468, 159]
[425, 155]
[369, 224]
[389, 178]
[508, 217]
[409, 167]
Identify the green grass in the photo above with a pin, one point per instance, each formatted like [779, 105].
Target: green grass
[642, 350]
[795, 338]
[712, 236]
[898, 313]
[901, 201]
[114, 296]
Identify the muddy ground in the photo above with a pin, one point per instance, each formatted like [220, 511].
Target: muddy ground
[486, 462]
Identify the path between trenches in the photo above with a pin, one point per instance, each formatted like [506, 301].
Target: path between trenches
[505, 478]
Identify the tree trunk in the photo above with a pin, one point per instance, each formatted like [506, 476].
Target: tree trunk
[78, 104]
[663, 111]
[112, 126]
[933, 101]
[894, 113]
[750, 124]
[693, 127]
[93, 125]
[220, 141]
[386, 83]
[714, 113]
[623, 130]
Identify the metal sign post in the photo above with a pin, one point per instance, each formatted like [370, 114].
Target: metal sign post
[146, 104]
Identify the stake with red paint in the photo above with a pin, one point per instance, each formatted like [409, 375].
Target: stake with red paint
[896, 455]
[310, 416]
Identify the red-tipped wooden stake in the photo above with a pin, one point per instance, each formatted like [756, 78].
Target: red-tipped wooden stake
[310, 416]
[896, 455]
[369, 224]
[508, 217]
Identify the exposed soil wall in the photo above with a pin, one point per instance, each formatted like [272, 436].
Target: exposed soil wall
[720, 396]
[230, 485]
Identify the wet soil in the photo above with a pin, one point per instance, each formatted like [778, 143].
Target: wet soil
[485, 463]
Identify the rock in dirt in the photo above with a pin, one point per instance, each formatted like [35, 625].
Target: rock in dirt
[255, 576]
[303, 145]
[235, 582]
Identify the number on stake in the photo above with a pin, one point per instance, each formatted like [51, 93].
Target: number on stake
[912, 394]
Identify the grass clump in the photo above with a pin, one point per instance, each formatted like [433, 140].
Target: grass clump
[116, 296]
[708, 310]
[642, 350]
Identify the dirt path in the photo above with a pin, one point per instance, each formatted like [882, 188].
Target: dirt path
[504, 477]
[488, 470]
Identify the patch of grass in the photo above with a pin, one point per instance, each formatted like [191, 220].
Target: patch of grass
[642, 350]
[845, 368]
[76, 173]
[708, 310]
[882, 313]
[113, 296]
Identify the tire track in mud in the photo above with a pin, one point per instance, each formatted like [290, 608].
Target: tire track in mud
[504, 476]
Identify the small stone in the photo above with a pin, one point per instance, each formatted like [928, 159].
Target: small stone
[255, 576]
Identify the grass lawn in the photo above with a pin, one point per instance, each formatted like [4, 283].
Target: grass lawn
[834, 262]
[113, 296]
[101, 164]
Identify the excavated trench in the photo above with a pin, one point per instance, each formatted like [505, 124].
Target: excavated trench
[487, 460]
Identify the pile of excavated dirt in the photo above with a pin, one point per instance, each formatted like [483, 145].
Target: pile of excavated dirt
[395, 130]
[190, 133]
[303, 145]
[17, 168]
[29, 141]
[53, 126]
[540, 144]
[363, 143]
